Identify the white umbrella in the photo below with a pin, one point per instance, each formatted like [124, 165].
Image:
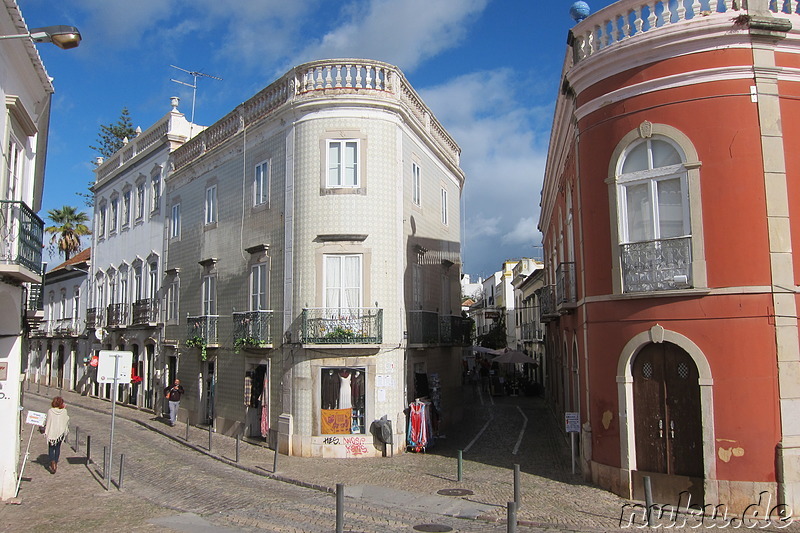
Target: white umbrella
[483, 349]
[512, 356]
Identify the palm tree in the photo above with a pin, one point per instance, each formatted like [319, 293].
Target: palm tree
[68, 227]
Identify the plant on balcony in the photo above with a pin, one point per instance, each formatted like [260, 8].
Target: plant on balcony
[241, 343]
[196, 341]
[340, 332]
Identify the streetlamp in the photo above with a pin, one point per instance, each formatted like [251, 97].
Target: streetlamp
[65, 37]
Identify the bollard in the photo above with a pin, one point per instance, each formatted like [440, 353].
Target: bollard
[187, 429]
[210, 427]
[339, 507]
[648, 499]
[105, 469]
[38, 387]
[460, 465]
[517, 499]
[121, 470]
[275, 461]
[77, 441]
[88, 449]
[512, 518]
[238, 439]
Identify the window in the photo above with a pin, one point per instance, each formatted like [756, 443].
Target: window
[416, 184]
[261, 184]
[444, 206]
[211, 205]
[173, 291]
[112, 215]
[209, 295]
[342, 281]
[343, 163]
[101, 221]
[76, 303]
[123, 287]
[258, 287]
[140, 201]
[99, 283]
[15, 162]
[137, 283]
[126, 208]
[62, 304]
[153, 280]
[175, 222]
[655, 187]
[343, 403]
[156, 190]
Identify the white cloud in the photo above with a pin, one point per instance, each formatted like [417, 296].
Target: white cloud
[523, 233]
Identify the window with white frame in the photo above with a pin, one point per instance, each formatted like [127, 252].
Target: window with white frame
[126, 208]
[123, 287]
[140, 200]
[99, 292]
[210, 295]
[343, 281]
[654, 226]
[138, 288]
[113, 215]
[153, 280]
[444, 207]
[155, 189]
[261, 184]
[173, 292]
[258, 287]
[76, 303]
[211, 205]
[101, 220]
[175, 222]
[343, 168]
[62, 304]
[15, 162]
[416, 184]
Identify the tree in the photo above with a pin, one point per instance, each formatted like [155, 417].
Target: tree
[111, 136]
[68, 227]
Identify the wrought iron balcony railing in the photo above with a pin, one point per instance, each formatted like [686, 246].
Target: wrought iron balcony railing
[565, 285]
[67, 327]
[252, 329]
[203, 327]
[657, 265]
[21, 233]
[423, 327]
[145, 311]
[454, 330]
[356, 325]
[547, 303]
[92, 318]
[117, 315]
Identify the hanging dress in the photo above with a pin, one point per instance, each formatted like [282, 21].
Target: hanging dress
[345, 395]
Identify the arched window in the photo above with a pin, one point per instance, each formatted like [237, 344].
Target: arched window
[655, 182]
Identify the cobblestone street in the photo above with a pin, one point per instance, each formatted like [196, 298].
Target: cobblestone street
[170, 483]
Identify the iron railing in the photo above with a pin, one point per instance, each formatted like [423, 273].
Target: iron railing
[252, 329]
[547, 303]
[92, 318]
[145, 311]
[21, 234]
[355, 325]
[117, 315]
[657, 265]
[203, 327]
[66, 327]
[35, 297]
[423, 327]
[565, 285]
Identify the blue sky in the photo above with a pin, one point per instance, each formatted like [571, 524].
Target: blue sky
[489, 69]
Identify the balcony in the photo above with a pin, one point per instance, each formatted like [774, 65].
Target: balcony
[357, 325]
[565, 286]
[252, 330]
[66, 327]
[423, 327]
[92, 318]
[145, 312]
[661, 265]
[547, 303]
[117, 315]
[21, 233]
[204, 328]
[454, 330]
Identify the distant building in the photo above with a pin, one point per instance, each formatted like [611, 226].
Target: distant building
[673, 146]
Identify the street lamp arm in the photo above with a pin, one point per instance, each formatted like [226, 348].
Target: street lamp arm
[64, 37]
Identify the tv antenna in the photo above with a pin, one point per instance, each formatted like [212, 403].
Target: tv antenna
[195, 74]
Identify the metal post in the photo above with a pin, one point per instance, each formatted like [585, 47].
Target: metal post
[77, 441]
[460, 465]
[105, 462]
[121, 470]
[114, 393]
[238, 440]
[339, 507]
[275, 461]
[648, 499]
[210, 427]
[88, 448]
[187, 428]
[517, 500]
[512, 518]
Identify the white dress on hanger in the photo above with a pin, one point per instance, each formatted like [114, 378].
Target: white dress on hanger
[345, 401]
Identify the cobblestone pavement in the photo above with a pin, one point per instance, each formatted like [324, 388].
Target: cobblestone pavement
[166, 476]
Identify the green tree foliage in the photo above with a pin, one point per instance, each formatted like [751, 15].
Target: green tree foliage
[110, 138]
[69, 225]
[495, 338]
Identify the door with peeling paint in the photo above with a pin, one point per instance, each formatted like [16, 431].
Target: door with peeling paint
[667, 416]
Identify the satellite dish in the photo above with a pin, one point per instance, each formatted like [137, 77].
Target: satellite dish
[99, 333]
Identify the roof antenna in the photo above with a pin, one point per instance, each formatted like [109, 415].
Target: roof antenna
[195, 74]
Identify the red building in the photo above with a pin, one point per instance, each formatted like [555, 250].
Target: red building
[670, 209]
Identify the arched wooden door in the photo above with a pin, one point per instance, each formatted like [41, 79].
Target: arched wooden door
[667, 421]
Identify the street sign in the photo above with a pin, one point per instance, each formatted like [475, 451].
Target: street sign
[36, 418]
[573, 422]
[108, 360]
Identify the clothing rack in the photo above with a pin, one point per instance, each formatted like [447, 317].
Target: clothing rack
[420, 428]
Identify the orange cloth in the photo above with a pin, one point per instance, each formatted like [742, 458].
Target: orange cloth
[336, 421]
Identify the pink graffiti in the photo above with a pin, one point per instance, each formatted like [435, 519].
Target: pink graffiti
[355, 445]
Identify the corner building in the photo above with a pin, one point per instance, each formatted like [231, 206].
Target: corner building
[313, 240]
[670, 216]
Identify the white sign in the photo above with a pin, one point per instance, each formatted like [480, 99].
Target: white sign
[573, 422]
[36, 418]
[105, 366]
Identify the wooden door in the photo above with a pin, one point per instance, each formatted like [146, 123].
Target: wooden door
[667, 417]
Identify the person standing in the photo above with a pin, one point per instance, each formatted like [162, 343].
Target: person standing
[56, 429]
[173, 395]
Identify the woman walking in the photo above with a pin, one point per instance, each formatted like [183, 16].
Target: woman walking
[56, 429]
